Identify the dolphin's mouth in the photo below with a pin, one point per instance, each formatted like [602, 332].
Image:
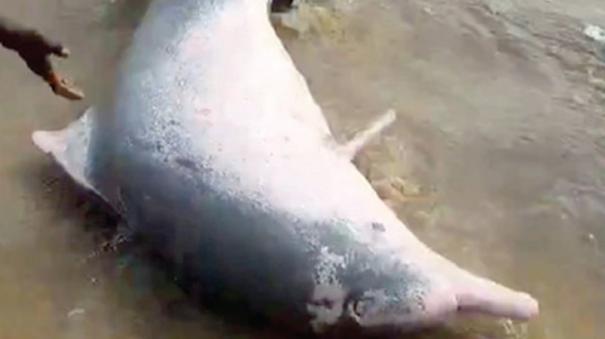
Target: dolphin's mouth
[470, 295]
[487, 297]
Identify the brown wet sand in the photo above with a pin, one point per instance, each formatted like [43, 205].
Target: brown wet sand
[500, 122]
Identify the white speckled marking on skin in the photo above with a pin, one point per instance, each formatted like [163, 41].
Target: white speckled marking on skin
[327, 306]
[329, 294]
[325, 271]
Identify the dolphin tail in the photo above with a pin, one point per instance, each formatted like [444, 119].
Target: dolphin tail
[69, 147]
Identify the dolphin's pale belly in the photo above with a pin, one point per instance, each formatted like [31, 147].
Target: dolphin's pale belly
[241, 111]
[215, 151]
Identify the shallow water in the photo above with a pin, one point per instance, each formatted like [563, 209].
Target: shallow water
[500, 142]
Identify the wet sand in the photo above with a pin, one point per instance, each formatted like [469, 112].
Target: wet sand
[501, 131]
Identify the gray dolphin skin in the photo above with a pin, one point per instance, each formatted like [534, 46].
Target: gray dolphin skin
[213, 149]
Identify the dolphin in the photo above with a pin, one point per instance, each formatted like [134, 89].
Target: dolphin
[213, 150]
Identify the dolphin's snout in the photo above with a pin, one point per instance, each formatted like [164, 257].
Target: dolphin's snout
[478, 295]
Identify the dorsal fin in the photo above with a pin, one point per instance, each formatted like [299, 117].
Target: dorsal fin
[363, 137]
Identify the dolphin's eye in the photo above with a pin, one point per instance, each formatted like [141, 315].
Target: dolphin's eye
[359, 307]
